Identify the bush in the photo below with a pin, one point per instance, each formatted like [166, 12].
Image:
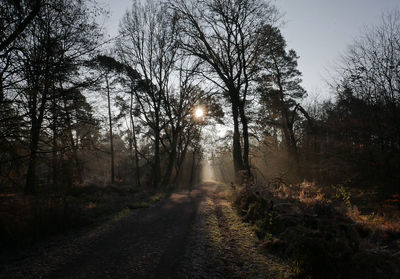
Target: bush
[321, 240]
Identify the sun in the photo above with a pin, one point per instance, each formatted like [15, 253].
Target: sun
[199, 112]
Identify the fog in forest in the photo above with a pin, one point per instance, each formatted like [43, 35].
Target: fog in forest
[196, 113]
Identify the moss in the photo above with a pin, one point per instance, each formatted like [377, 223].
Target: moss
[139, 204]
[157, 197]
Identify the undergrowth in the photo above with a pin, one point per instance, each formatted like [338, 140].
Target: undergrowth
[25, 220]
[321, 230]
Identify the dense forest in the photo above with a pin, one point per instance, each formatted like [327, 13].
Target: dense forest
[90, 125]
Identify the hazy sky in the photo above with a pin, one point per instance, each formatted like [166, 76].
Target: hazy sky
[318, 30]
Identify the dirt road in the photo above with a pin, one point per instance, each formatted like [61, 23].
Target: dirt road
[191, 234]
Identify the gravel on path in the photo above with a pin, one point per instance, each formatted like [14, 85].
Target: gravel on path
[190, 234]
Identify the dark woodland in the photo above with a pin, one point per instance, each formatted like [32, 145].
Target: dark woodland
[187, 147]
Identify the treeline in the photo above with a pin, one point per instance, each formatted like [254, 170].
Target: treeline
[357, 136]
[74, 109]
[352, 139]
[56, 82]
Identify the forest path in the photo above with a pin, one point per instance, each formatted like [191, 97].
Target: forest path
[191, 234]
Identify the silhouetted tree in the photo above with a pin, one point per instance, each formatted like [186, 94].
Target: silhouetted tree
[359, 132]
[148, 44]
[109, 69]
[48, 56]
[15, 16]
[371, 69]
[226, 37]
[279, 87]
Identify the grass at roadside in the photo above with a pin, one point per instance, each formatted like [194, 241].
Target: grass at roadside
[25, 220]
[146, 202]
[232, 244]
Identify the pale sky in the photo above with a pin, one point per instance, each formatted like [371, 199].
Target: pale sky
[318, 30]
[321, 30]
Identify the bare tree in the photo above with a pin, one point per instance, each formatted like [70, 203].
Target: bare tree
[15, 17]
[148, 44]
[226, 36]
[109, 70]
[371, 70]
[371, 65]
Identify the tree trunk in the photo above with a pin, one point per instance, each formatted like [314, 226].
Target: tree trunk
[36, 122]
[1, 89]
[54, 142]
[171, 157]
[134, 143]
[30, 186]
[192, 169]
[237, 149]
[111, 131]
[289, 135]
[156, 165]
[245, 128]
[73, 145]
[293, 144]
[180, 161]
[287, 125]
